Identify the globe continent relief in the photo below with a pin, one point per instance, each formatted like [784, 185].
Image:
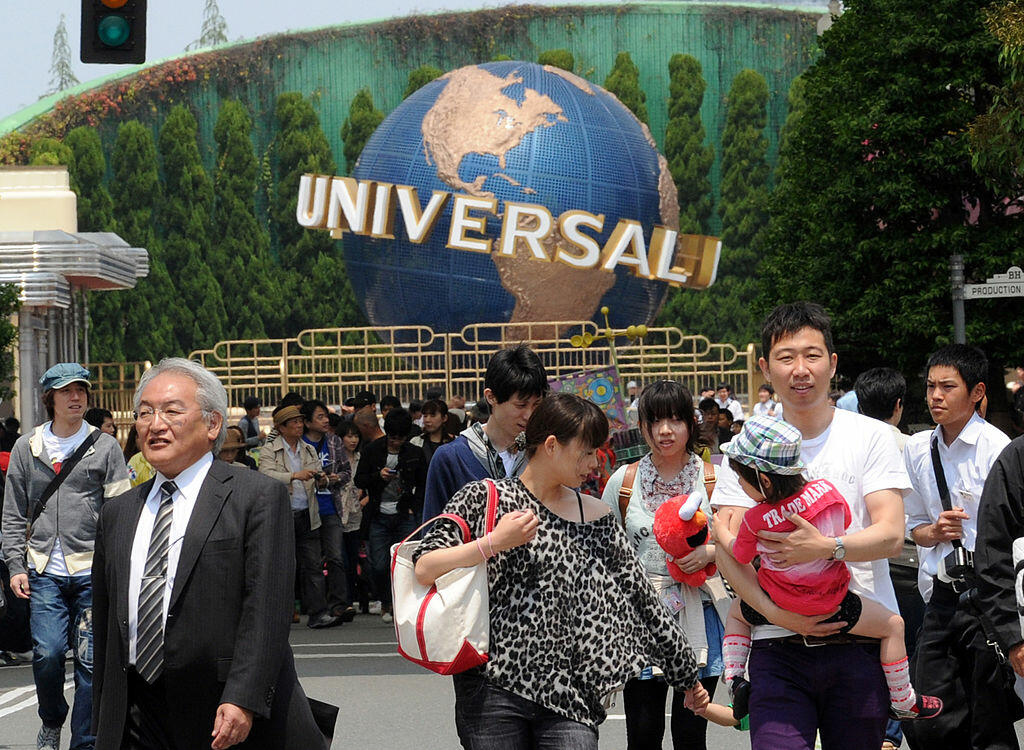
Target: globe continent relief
[522, 133]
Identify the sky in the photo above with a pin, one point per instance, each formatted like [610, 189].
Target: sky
[27, 30]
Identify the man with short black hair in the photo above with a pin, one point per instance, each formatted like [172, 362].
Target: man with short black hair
[514, 384]
[725, 400]
[58, 478]
[880, 392]
[954, 661]
[833, 685]
[387, 403]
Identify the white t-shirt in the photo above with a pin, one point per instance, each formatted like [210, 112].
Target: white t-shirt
[859, 456]
[58, 449]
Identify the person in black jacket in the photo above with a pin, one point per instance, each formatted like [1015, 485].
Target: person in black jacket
[394, 473]
[998, 554]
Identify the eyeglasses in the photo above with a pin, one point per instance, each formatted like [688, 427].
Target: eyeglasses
[173, 416]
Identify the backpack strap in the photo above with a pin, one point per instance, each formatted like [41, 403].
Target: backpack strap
[709, 478]
[626, 490]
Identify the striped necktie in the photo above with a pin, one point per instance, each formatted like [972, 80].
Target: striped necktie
[149, 642]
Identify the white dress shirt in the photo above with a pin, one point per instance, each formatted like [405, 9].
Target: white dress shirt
[189, 482]
[966, 463]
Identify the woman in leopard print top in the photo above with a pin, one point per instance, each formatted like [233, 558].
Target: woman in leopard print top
[572, 614]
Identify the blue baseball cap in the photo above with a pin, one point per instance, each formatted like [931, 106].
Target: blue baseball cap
[64, 374]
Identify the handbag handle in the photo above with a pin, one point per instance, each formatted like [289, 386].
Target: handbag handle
[467, 535]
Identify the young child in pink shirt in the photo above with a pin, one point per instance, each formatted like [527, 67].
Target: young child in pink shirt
[766, 459]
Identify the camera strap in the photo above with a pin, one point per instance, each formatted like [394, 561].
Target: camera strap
[940, 481]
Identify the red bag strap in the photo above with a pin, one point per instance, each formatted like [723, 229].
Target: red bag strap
[492, 505]
[466, 534]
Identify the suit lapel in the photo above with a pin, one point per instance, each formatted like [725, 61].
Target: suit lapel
[212, 496]
[124, 539]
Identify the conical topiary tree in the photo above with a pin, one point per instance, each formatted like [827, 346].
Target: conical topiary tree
[624, 82]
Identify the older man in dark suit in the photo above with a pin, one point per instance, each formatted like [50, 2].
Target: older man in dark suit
[192, 589]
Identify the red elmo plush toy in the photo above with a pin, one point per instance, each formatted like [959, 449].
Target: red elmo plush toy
[680, 526]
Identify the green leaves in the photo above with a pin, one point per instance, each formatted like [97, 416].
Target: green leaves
[875, 179]
[624, 82]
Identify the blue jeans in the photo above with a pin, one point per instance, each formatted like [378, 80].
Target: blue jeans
[61, 619]
[489, 718]
[386, 530]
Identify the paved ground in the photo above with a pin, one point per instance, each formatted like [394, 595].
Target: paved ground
[386, 702]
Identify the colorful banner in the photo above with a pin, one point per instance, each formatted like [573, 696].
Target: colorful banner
[602, 387]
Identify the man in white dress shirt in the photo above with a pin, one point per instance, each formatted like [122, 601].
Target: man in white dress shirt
[953, 661]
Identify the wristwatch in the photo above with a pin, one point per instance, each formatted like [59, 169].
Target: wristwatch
[839, 551]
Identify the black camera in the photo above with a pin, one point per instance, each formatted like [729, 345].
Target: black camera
[959, 563]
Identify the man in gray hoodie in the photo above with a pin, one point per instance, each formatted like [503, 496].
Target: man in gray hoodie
[48, 541]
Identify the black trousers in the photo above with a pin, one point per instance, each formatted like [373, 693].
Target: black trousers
[644, 704]
[145, 726]
[954, 662]
[309, 565]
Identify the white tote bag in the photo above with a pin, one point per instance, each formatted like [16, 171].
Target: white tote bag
[443, 627]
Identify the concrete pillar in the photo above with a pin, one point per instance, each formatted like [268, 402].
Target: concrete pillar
[27, 375]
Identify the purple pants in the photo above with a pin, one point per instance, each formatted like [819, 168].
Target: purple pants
[836, 690]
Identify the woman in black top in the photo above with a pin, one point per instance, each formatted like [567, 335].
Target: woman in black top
[572, 615]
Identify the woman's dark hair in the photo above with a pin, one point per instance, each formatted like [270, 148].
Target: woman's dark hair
[668, 399]
[348, 427]
[566, 416]
[131, 443]
[783, 485]
[767, 387]
[96, 415]
[434, 406]
[251, 402]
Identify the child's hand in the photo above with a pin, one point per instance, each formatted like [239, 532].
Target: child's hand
[697, 699]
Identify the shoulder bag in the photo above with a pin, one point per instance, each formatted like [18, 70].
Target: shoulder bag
[443, 627]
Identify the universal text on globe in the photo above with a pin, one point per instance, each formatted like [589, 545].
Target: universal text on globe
[368, 207]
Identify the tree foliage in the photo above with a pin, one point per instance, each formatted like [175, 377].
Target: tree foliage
[9, 305]
[559, 58]
[248, 278]
[724, 312]
[301, 147]
[363, 118]
[420, 77]
[624, 82]
[997, 136]
[876, 189]
[88, 168]
[689, 159]
[186, 214]
[62, 75]
[141, 324]
[214, 30]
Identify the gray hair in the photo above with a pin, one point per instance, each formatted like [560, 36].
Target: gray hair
[210, 393]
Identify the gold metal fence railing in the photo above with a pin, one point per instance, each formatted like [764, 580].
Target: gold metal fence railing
[333, 364]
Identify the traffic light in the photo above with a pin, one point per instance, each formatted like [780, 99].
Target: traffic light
[113, 31]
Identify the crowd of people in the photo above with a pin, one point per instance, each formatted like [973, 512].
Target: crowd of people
[172, 567]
